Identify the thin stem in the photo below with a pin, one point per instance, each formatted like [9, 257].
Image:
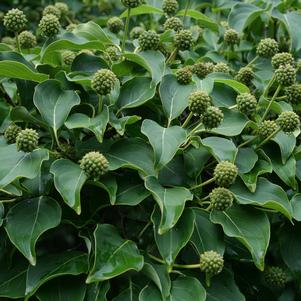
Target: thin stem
[247, 142]
[202, 200]
[99, 104]
[270, 103]
[203, 183]
[126, 30]
[17, 42]
[57, 141]
[181, 266]
[196, 128]
[266, 91]
[155, 258]
[187, 120]
[144, 229]
[267, 138]
[233, 107]
[186, 9]
[253, 61]
[68, 20]
[172, 56]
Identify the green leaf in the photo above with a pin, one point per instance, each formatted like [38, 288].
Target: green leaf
[14, 69]
[296, 205]
[150, 293]
[96, 125]
[55, 265]
[152, 61]
[250, 226]
[244, 165]
[187, 288]
[136, 92]
[129, 294]
[202, 19]
[173, 241]
[171, 202]
[113, 255]
[174, 96]
[142, 10]
[17, 165]
[223, 287]
[286, 144]
[242, 15]
[206, 236]
[97, 291]
[220, 148]
[165, 141]
[131, 153]
[119, 124]
[54, 103]
[235, 85]
[21, 114]
[266, 195]
[109, 184]
[1, 214]
[69, 179]
[28, 220]
[63, 289]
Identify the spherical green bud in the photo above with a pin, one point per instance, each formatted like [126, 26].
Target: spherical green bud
[244, 75]
[183, 40]
[11, 133]
[267, 128]
[94, 164]
[198, 102]
[112, 53]
[286, 75]
[103, 81]
[27, 40]
[184, 76]
[170, 7]
[163, 50]
[115, 24]
[131, 3]
[288, 121]
[221, 67]
[282, 58]
[149, 40]
[231, 37]
[293, 93]
[267, 48]
[49, 25]
[201, 69]
[62, 7]
[71, 27]
[211, 262]
[9, 41]
[27, 140]
[136, 32]
[52, 10]
[275, 277]
[212, 117]
[173, 23]
[246, 103]
[225, 173]
[221, 198]
[14, 20]
[68, 57]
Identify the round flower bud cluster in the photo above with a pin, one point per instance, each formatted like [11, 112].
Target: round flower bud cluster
[71, 27]
[211, 262]
[225, 173]
[202, 69]
[231, 37]
[62, 7]
[11, 133]
[27, 40]
[184, 76]
[112, 53]
[94, 164]
[288, 121]
[115, 24]
[199, 101]
[244, 75]
[131, 3]
[68, 57]
[173, 23]
[49, 25]
[267, 128]
[246, 103]
[170, 7]
[52, 10]
[221, 67]
[283, 58]
[286, 75]
[27, 140]
[14, 20]
[221, 198]
[103, 81]
[267, 48]
[212, 117]
[183, 40]
[136, 32]
[275, 277]
[149, 40]
[293, 93]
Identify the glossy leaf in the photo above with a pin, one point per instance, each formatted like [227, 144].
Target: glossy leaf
[28, 220]
[113, 254]
[150, 293]
[296, 205]
[97, 291]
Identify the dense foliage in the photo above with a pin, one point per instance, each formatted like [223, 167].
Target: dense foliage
[149, 150]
